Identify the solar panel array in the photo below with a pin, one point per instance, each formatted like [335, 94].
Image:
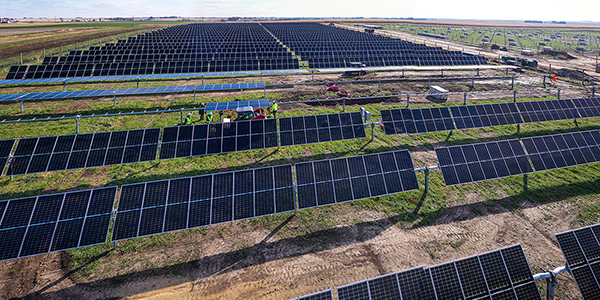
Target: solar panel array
[470, 163]
[563, 150]
[183, 203]
[206, 139]
[5, 150]
[547, 110]
[65, 152]
[343, 179]
[321, 128]
[131, 91]
[190, 48]
[405, 120]
[155, 76]
[333, 47]
[417, 120]
[582, 252]
[499, 274]
[42, 224]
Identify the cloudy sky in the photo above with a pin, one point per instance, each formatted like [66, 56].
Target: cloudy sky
[583, 10]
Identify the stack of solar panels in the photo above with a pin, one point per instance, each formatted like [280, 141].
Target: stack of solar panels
[582, 252]
[338, 180]
[333, 47]
[190, 48]
[321, 128]
[56, 222]
[53, 153]
[183, 203]
[499, 274]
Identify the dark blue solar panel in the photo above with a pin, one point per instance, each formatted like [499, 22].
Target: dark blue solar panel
[55, 222]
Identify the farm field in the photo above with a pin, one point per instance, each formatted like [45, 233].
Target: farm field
[288, 255]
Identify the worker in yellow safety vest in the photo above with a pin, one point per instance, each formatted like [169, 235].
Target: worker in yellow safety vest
[188, 119]
[209, 117]
[274, 109]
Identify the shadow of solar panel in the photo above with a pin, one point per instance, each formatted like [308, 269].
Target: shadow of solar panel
[46, 223]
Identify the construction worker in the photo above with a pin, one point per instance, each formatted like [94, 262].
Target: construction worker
[201, 111]
[209, 117]
[274, 109]
[188, 119]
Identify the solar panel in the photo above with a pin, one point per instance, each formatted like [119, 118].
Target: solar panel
[56, 222]
[320, 128]
[582, 253]
[184, 203]
[485, 115]
[6, 147]
[338, 180]
[499, 274]
[563, 150]
[587, 107]
[54, 153]
[205, 139]
[233, 105]
[484, 161]
[323, 295]
[406, 120]
[547, 110]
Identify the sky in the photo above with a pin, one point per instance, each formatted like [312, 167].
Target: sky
[546, 10]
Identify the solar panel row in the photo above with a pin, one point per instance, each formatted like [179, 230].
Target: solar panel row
[499, 274]
[56, 222]
[563, 150]
[338, 180]
[321, 128]
[405, 120]
[5, 150]
[131, 91]
[484, 161]
[206, 139]
[183, 203]
[233, 105]
[65, 152]
[582, 252]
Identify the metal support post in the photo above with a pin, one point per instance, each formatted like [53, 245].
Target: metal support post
[426, 180]
[138, 82]
[442, 72]
[512, 85]
[77, 123]
[514, 96]
[372, 131]
[477, 71]
[593, 91]
[64, 86]
[544, 80]
[114, 100]
[344, 102]
[194, 95]
[402, 73]
[407, 100]
[115, 244]
[21, 58]
[506, 71]
[181, 115]
[473, 82]
[429, 83]
[559, 94]
[202, 78]
[550, 283]
[22, 106]
[265, 91]
[312, 72]
[380, 85]
[465, 99]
